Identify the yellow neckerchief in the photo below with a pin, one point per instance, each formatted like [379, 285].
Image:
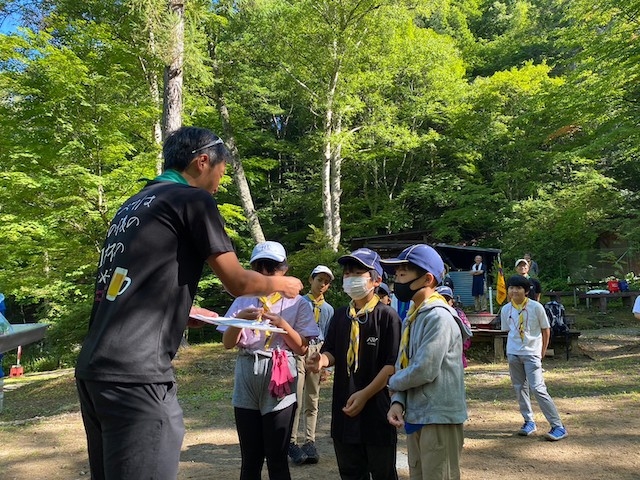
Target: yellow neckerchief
[267, 303]
[520, 308]
[411, 316]
[317, 303]
[354, 338]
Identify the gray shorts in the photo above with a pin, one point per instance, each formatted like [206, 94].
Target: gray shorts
[252, 377]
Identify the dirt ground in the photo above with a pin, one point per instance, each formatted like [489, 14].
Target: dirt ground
[597, 393]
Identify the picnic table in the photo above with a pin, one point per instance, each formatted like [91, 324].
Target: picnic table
[482, 333]
[603, 297]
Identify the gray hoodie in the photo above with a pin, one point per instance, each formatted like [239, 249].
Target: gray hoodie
[431, 387]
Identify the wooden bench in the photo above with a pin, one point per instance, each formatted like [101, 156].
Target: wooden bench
[480, 319]
[569, 341]
[497, 337]
[627, 298]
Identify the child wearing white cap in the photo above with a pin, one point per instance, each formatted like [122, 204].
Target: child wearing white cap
[522, 268]
[263, 403]
[309, 381]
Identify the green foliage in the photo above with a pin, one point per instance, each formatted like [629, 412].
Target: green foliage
[513, 124]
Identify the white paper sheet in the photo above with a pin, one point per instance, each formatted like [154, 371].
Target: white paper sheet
[239, 323]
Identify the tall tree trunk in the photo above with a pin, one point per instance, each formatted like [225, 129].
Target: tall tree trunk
[239, 176]
[154, 91]
[329, 196]
[172, 111]
[336, 188]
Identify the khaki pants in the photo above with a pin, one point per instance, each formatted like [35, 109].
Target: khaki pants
[434, 452]
[308, 396]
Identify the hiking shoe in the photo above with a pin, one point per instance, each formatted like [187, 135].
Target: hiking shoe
[298, 457]
[557, 433]
[309, 449]
[527, 429]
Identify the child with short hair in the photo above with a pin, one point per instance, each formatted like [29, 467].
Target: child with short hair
[309, 382]
[362, 344]
[527, 342]
[428, 387]
[384, 292]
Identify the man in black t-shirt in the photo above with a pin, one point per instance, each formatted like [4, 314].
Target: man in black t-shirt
[148, 273]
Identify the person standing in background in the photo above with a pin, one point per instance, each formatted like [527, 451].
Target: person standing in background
[527, 342]
[477, 286]
[384, 292]
[636, 308]
[533, 265]
[522, 268]
[447, 293]
[308, 391]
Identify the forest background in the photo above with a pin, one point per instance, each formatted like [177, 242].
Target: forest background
[503, 124]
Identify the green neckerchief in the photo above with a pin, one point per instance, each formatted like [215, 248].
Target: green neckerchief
[171, 176]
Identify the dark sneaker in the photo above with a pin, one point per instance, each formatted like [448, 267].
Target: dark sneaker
[557, 433]
[527, 429]
[298, 457]
[309, 449]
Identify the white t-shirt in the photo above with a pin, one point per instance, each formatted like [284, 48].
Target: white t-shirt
[535, 320]
[636, 306]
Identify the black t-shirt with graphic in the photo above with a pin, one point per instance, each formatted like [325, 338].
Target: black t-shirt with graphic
[379, 341]
[148, 273]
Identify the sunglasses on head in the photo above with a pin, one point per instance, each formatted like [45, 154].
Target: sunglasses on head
[211, 144]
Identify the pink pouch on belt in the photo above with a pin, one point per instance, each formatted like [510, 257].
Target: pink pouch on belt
[281, 377]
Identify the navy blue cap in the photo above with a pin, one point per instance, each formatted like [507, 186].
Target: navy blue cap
[420, 255]
[365, 257]
[445, 291]
[384, 289]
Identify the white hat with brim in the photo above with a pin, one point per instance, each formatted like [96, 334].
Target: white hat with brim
[269, 251]
[322, 269]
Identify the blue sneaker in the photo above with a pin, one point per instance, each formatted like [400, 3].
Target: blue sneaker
[527, 429]
[557, 433]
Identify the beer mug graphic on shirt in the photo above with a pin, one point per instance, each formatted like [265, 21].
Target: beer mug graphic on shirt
[119, 283]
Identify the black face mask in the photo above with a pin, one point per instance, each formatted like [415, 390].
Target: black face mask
[404, 292]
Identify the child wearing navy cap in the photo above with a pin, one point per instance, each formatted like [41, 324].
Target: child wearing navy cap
[428, 397]
[362, 343]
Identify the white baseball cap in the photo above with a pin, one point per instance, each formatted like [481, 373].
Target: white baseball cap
[520, 260]
[322, 269]
[268, 250]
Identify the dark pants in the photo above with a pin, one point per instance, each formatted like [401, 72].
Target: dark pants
[134, 431]
[264, 436]
[364, 462]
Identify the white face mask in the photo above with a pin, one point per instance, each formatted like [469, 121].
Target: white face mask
[356, 287]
